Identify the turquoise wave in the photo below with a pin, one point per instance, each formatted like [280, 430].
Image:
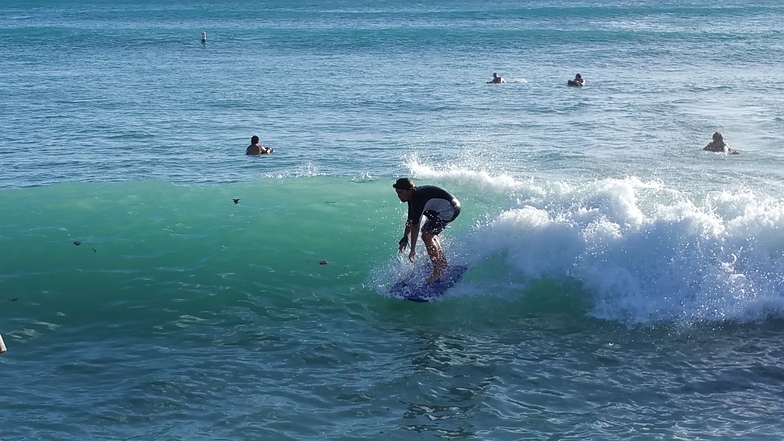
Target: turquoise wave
[618, 250]
[152, 251]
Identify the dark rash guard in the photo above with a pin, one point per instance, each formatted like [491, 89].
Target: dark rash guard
[433, 202]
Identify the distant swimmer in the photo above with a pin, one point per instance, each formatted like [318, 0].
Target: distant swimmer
[496, 79]
[577, 81]
[255, 149]
[203, 38]
[439, 207]
[719, 146]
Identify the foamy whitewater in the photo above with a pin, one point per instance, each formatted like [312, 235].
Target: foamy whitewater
[156, 283]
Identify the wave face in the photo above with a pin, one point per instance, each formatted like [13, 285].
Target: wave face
[631, 251]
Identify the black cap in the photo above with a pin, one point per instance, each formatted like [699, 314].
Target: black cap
[403, 184]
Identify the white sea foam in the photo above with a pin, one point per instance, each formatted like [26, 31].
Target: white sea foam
[643, 252]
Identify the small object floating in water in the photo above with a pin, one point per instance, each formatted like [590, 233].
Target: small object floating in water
[2, 345]
[236, 201]
[323, 262]
[13, 300]
[77, 243]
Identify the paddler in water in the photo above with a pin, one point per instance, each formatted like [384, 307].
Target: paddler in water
[718, 145]
[439, 207]
[255, 149]
[496, 79]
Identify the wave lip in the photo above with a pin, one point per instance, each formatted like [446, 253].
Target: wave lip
[644, 253]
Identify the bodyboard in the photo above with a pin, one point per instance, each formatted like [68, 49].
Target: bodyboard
[415, 289]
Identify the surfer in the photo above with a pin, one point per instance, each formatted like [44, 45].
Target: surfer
[718, 145]
[577, 81]
[255, 149]
[496, 79]
[439, 207]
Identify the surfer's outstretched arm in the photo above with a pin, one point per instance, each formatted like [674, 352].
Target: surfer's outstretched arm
[404, 241]
[414, 234]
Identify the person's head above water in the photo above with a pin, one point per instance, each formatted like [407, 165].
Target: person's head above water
[717, 137]
[254, 139]
[404, 189]
[578, 76]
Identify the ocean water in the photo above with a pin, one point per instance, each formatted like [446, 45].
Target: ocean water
[156, 283]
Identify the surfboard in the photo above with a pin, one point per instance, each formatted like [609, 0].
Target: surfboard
[415, 289]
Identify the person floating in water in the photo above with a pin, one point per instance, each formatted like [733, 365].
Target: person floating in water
[255, 149]
[718, 145]
[496, 79]
[439, 207]
[577, 81]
